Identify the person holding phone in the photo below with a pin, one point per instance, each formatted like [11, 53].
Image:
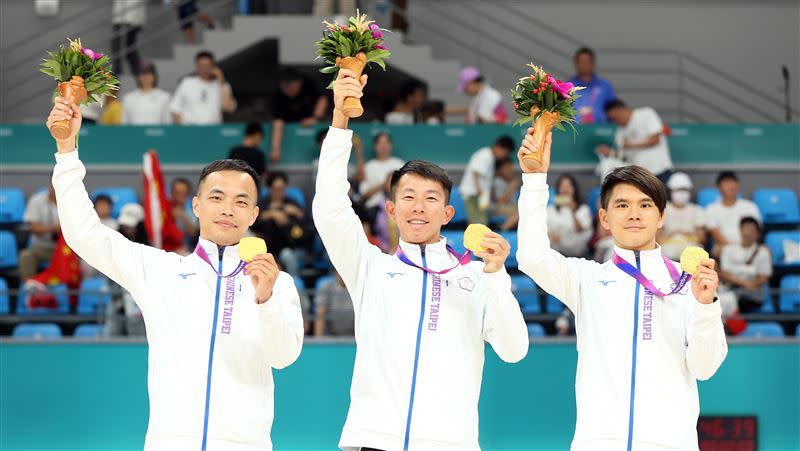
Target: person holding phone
[201, 98]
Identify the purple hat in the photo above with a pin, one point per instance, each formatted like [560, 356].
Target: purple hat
[467, 74]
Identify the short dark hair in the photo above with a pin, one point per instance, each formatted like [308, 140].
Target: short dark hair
[426, 170]
[274, 176]
[750, 220]
[639, 177]
[506, 142]
[408, 89]
[183, 180]
[104, 198]
[576, 196]
[203, 54]
[584, 51]
[726, 175]
[253, 128]
[147, 68]
[613, 104]
[227, 165]
[378, 136]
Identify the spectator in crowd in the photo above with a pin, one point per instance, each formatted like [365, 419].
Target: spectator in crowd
[569, 222]
[282, 224]
[180, 193]
[565, 323]
[376, 170]
[724, 215]
[104, 205]
[476, 183]
[188, 12]
[298, 100]
[355, 173]
[684, 222]
[147, 104]
[335, 314]
[127, 19]
[746, 266]
[640, 138]
[591, 104]
[505, 191]
[41, 217]
[250, 150]
[201, 98]
[406, 110]
[328, 8]
[486, 106]
[433, 112]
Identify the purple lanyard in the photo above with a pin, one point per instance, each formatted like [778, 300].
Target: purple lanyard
[203, 255]
[680, 279]
[462, 260]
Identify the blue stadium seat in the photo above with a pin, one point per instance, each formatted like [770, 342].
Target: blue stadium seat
[790, 294]
[707, 196]
[458, 204]
[777, 205]
[263, 192]
[12, 205]
[120, 196]
[769, 305]
[554, 305]
[455, 238]
[511, 236]
[591, 201]
[552, 197]
[299, 284]
[8, 249]
[763, 330]
[61, 293]
[36, 331]
[296, 194]
[797, 331]
[320, 258]
[5, 304]
[536, 330]
[774, 241]
[89, 331]
[527, 294]
[322, 280]
[94, 294]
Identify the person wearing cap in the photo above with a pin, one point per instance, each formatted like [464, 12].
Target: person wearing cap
[486, 106]
[684, 221]
[216, 325]
[147, 104]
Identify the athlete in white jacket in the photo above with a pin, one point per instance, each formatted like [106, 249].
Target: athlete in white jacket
[215, 326]
[421, 315]
[639, 354]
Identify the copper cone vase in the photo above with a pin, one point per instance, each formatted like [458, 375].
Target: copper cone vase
[74, 92]
[352, 105]
[541, 128]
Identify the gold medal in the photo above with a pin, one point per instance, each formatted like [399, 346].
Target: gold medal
[251, 246]
[691, 257]
[474, 236]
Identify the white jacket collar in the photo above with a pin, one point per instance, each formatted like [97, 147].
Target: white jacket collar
[646, 257]
[231, 254]
[437, 257]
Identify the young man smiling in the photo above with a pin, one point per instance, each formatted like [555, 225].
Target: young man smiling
[644, 336]
[421, 315]
[215, 326]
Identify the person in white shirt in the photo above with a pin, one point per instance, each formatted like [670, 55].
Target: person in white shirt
[746, 267]
[422, 315]
[406, 110]
[200, 99]
[569, 221]
[127, 19]
[644, 336]
[639, 138]
[684, 222]
[724, 215]
[41, 217]
[476, 183]
[377, 169]
[147, 104]
[486, 106]
[216, 325]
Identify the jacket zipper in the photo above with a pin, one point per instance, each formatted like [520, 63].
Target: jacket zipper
[416, 352]
[633, 357]
[211, 349]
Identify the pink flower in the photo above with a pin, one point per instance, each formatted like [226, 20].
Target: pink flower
[381, 45]
[376, 31]
[560, 87]
[91, 54]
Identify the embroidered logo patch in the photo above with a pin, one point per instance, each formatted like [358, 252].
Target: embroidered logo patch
[466, 284]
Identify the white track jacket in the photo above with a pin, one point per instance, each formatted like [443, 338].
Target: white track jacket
[420, 337]
[211, 346]
[639, 355]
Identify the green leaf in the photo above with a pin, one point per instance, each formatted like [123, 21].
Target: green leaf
[329, 69]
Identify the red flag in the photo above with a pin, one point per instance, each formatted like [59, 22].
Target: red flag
[64, 269]
[162, 230]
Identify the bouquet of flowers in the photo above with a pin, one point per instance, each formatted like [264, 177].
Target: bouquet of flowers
[352, 46]
[83, 76]
[545, 101]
